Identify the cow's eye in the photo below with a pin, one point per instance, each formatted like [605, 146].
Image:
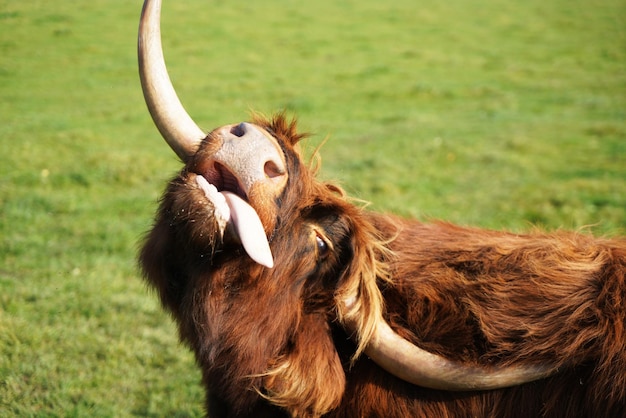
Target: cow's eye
[322, 246]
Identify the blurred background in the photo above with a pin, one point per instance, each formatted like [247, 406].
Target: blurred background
[507, 115]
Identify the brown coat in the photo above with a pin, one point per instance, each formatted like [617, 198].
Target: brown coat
[269, 341]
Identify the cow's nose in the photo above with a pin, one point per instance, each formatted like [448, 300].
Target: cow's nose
[252, 155]
[273, 167]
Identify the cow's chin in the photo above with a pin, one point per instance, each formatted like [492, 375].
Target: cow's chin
[237, 221]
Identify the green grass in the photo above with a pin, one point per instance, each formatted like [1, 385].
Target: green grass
[492, 113]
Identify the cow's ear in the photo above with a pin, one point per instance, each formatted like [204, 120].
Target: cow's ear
[308, 380]
[158, 262]
[358, 298]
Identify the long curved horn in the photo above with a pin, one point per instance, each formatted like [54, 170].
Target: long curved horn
[412, 364]
[176, 126]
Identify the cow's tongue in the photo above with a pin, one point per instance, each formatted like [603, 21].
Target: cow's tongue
[230, 208]
[249, 229]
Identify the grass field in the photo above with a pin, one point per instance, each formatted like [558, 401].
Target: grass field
[492, 113]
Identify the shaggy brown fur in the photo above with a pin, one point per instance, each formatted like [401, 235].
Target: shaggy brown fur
[270, 341]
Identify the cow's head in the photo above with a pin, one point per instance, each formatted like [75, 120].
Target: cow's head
[246, 205]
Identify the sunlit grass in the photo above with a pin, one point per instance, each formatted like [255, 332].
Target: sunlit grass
[498, 114]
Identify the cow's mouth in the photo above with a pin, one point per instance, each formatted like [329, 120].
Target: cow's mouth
[224, 180]
[230, 204]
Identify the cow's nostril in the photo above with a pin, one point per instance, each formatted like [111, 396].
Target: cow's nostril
[272, 170]
[238, 130]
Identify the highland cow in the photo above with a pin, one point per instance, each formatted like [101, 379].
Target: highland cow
[297, 301]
